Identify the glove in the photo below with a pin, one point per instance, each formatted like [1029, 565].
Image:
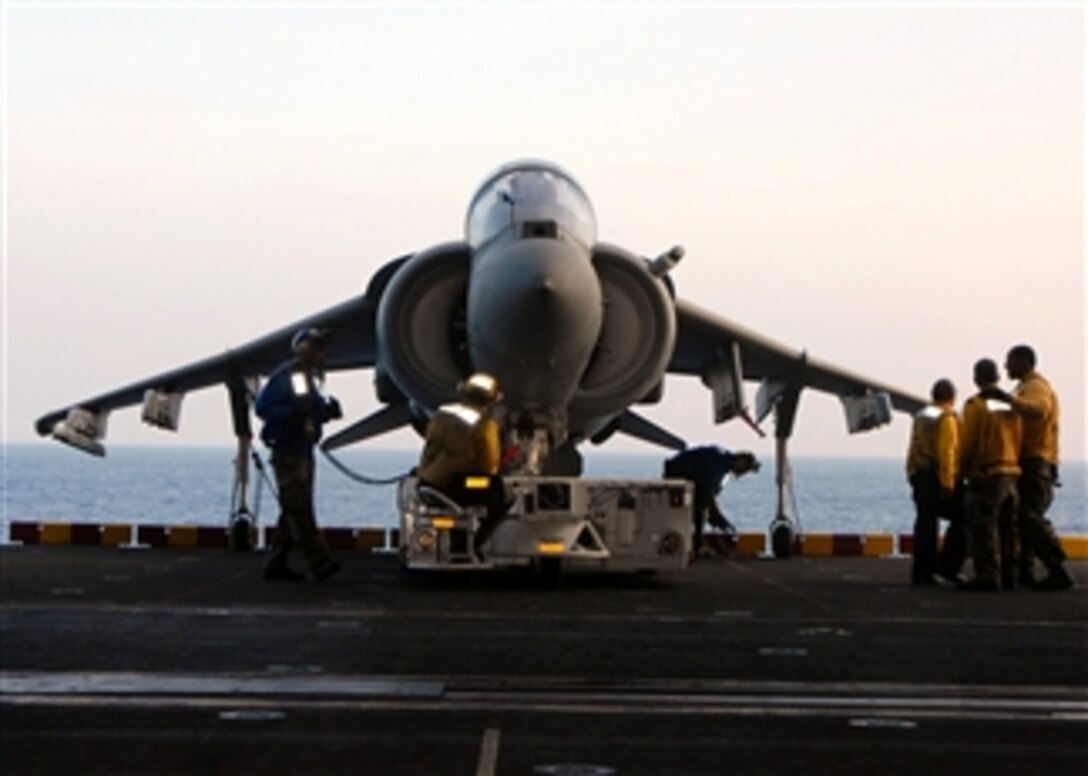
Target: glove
[332, 409]
[719, 522]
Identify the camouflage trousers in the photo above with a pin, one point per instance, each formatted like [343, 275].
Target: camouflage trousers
[1036, 490]
[990, 518]
[297, 525]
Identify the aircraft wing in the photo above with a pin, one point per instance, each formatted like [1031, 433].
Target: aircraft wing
[352, 344]
[723, 353]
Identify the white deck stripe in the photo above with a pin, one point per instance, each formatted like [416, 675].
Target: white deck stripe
[850, 699]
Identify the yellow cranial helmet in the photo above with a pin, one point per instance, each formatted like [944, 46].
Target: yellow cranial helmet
[480, 388]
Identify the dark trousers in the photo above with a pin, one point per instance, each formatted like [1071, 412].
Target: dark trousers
[990, 513]
[1037, 536]
[698, 517]
[931, 505]
[953, 552]
[297, 525]
[927, 504]
[701, 513]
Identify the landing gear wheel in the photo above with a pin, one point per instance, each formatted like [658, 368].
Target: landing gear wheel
[241, 534]
[781, 539]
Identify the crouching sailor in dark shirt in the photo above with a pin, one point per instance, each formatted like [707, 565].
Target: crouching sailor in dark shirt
[294, 410]
[706, 468]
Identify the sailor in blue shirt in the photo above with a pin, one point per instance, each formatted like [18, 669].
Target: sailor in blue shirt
[294, 411]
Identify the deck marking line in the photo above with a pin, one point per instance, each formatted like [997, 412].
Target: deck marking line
[883, 722]
[489, 752]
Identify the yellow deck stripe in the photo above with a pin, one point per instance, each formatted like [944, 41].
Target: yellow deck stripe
[56, 533]
[115, 535]
[818, 544]
[183, 536]
[878, 545]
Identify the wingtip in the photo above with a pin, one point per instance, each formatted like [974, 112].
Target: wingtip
[45, 424]
[75, 427]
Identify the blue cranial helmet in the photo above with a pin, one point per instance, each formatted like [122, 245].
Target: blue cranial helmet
[315, 335]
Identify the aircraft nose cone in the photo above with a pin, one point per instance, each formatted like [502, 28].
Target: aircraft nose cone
[534, 301]
[543, 293]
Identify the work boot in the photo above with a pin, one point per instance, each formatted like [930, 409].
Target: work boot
[979, 585]
[1057, 579]
[1008, 579]
[281, 574]
[947, 579]
[326, 569]
[922, 579]
[1026, 574]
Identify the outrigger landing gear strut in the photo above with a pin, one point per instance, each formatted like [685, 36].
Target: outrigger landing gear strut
[242, 529]
[783, 529]
[242, 532]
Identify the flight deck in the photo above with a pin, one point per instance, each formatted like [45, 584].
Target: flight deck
[136, 659]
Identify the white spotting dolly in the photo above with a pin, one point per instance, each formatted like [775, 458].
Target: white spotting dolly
[637, 525]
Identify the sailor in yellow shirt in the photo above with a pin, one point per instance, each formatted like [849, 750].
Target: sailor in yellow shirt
[989, 459]
[933, 473]
[1037, 404]
[462, 440]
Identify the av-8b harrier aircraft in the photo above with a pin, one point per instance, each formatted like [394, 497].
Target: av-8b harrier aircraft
[576, 331]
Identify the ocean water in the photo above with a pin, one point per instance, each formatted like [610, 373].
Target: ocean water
[188, 485]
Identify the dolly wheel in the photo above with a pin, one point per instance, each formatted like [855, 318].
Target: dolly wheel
[550, 573]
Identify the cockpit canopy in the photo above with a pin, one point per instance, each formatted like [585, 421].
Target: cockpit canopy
[538, 198]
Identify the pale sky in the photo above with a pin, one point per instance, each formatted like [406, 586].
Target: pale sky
[899, 189]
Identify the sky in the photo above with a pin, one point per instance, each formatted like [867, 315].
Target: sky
[897, 188]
